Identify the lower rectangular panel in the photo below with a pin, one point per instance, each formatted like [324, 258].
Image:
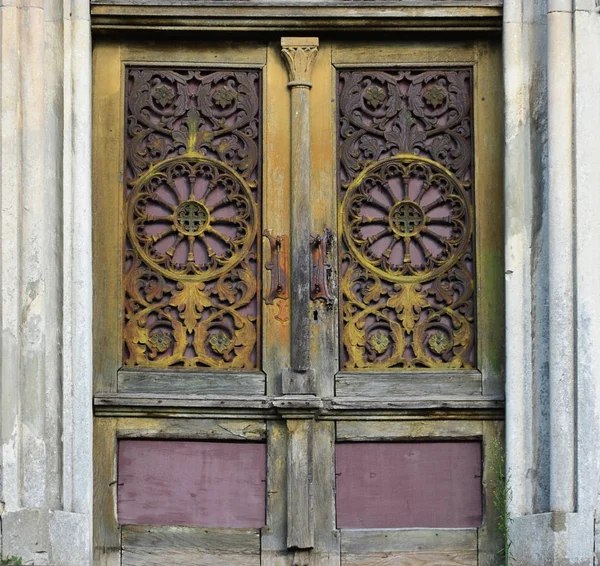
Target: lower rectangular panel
[192, 483]
[408, 485]
[409, 547]
[189, 546]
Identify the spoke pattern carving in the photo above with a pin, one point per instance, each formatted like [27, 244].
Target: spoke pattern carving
[192, 188]
[406, 213]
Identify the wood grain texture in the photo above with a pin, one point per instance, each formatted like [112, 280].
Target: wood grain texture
[174, 482]
[300, 501]
[191, 429]
[324, 318]
[451, 558]
[370, 431]
[274, 534]
[372, 384]
[488, 110]
[333, 3]
[299, 54]
[489, 539]
[417, 402]
[189, 546]
[327, 540]
[408, 484]
[107, 128]
[196, 383]
[423, 547]
[106, 529]
[276, 209]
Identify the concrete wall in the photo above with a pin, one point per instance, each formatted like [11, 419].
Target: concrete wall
[552, 74]
[45, 281]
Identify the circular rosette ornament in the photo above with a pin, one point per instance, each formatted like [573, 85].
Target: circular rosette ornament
[407, 219]
[191, 218]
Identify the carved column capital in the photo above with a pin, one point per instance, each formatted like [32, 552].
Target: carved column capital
[299, 54]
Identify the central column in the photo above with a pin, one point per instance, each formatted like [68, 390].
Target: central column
[299, 405]
[300, 54]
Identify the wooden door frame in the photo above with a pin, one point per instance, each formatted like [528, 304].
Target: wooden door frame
[479, 419]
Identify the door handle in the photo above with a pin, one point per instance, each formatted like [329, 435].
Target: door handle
[321, 268]
[278, 266]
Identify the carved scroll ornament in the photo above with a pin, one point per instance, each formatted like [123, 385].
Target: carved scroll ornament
[190, 274]
[406, 214]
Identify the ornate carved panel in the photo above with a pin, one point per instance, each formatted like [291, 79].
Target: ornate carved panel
[407, 218]
[192, 153]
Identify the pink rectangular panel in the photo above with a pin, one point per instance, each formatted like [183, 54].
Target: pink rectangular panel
[208, 484]
[408, 484]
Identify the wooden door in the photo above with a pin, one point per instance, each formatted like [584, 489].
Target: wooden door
[298, 301]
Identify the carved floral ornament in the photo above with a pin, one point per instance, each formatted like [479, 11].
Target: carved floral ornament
[406, 214]
[299, 55]
[190, 272]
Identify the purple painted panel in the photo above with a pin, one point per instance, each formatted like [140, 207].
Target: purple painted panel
[408, 484]
[208, 484]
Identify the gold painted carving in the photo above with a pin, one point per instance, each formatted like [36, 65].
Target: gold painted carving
[406, 214]
[299, 54]
[190, 274]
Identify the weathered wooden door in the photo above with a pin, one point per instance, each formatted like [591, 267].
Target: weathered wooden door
[298, 302]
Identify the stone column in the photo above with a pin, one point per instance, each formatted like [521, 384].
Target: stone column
[552, 77]
[586, 32]
[526, 255]
[45, 281]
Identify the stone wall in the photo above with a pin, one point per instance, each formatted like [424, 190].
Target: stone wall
[552, 74]
[45, 281]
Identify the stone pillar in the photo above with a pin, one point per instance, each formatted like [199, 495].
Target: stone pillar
[526, 255]
[45, 281]
[552, 77]
[586, 31]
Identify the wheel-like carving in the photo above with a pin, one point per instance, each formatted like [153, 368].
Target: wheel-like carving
[191, 218]
[407, 219]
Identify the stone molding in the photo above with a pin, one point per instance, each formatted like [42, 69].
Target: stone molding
[46, 282]
[551, 82]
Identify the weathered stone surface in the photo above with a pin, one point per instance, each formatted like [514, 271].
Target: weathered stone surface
[551, 271]
[45, 281]
[41, 537]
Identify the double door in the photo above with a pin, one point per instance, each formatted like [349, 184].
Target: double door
[298, 301]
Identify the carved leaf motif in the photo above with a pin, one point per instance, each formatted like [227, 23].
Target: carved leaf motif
[407, 292]
[226, 290]
[408, 301]
[373, 291]
[354, 340]
[405, 135]
[190, 260]
[244, 340]
[190, 300]
[426, 113]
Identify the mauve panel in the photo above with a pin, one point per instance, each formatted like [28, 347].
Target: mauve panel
[401, 484]
[209, 484]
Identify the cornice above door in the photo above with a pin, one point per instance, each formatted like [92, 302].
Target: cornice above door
[297, 16]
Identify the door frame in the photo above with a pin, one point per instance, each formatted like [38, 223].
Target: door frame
[120, 409]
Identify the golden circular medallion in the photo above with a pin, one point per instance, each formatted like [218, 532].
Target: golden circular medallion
[191, 218]
[406, 218]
